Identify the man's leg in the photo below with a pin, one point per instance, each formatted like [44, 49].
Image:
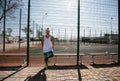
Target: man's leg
[46, 59]
[46, 62]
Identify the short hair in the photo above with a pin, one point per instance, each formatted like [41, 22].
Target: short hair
[47, 29]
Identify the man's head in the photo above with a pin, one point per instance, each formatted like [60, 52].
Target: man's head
[47, 31]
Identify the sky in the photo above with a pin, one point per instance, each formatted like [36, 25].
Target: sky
[62, 15]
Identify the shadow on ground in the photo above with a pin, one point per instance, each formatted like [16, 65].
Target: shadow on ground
[55, 67]
[8, 68]
[69, 67]
[41, 76]
[105, 65]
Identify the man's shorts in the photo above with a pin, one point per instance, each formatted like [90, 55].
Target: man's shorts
[49, 54]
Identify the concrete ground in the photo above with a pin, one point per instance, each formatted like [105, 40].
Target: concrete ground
[67, 73]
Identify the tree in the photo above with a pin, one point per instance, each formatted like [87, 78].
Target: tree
[9, 31]
[25, 31]
[11, 7]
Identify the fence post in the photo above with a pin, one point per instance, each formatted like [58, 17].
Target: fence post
[4, 32]
[28, 27]
[119, 32]
[78, 36]
[20, 26]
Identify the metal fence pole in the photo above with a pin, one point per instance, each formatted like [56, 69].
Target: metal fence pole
[71, 37]
[28, 27]
[119, 31]
[4, 32]
[84, 36]
[78, 38]
[20, 26]
[33, 32]
[39, 35]
[36, 32]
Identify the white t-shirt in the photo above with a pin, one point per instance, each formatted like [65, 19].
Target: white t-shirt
[47, 44]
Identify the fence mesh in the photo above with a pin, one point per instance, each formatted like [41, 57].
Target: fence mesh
[98, 28]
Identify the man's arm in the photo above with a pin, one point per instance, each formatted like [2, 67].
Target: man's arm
[52, 40]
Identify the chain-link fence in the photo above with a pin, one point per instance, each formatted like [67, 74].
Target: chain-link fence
[98, 29]
[13, 21]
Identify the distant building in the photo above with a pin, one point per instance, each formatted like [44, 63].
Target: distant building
[107, 38]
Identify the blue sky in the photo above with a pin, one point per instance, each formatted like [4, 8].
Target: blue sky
[95, 15]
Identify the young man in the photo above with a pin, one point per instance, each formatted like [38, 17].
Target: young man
[47, 45]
